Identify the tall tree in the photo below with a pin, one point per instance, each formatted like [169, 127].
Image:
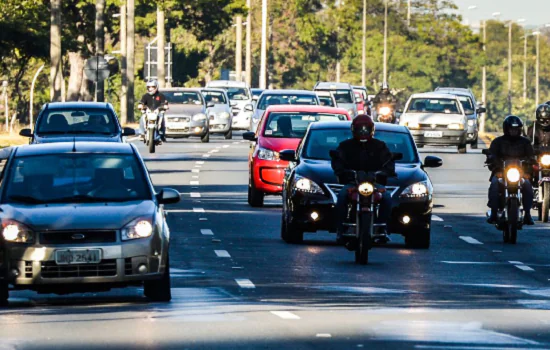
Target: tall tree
[55, 51]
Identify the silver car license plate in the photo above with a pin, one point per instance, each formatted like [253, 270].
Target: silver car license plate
[433, 134]
[77, 256]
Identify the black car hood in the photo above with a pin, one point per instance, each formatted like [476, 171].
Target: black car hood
[77, 138]
[320, 171]
[89, 216]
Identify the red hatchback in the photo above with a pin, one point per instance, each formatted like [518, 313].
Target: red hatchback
[282, 127]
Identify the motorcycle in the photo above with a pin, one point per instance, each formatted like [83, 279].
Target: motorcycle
[510, 217]
[542, 193]
[385, 115]
[153, 122]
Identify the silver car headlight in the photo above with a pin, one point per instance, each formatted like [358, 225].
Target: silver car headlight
[303, 184]
[471, 122]
[419, 189]
[16, 232]
[138, 228]
[199, 117]
[224, 115]
[267, 154]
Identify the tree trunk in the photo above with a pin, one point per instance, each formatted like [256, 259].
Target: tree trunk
[130, 48]
[100, 42]
[123, 55]
[55, 51]
[76, 76]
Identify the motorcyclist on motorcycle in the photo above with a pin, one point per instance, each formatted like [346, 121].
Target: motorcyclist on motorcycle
[539, 132]
[153, 99]
[510, 146]
[385, 98]
[361, 153]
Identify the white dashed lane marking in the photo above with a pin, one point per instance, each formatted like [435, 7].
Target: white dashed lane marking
[195, 170]
[436, 218]
[286, 315]
[200, 162]
[245, 283]
[194, 183]
[222, 253]
[524, 267]
[470, 240]
[225, 146]
[207, 232]
[206, 155]
[323, 335]
[195, 195]
[198, 210]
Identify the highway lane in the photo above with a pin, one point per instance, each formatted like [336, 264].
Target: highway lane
[236, 284]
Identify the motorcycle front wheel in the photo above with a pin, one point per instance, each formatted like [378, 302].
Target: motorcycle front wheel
[151, 141]
[364, 244]
[513, 217]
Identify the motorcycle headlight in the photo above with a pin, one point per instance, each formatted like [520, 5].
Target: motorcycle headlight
[384, 110]
[366, 189]
[471, 122]
[419, 189]
[138, 228]
[456, 126]
[303, 184]
[513, 175]
[267, 154]
[545, 160]
[16, 232]
[224, 115]
[199, 117]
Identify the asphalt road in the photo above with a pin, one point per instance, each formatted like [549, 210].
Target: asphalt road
[237, 285]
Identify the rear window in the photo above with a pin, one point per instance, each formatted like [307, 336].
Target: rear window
[294, 125]
[77, 121]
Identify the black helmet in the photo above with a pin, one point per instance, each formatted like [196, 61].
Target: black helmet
[513, 126]
[543, 115]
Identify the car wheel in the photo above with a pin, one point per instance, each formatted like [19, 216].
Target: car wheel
[229, 135]
[255, 197]
[205, 138]
[418, 239]
[4, 293]
[474, 144]
[159, 290]
[462, 148]
[289, 233]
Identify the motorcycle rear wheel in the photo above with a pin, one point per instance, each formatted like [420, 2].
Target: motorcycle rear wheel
[364, 244]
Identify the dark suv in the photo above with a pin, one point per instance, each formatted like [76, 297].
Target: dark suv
[77, 121]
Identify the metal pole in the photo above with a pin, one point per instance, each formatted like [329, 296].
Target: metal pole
[537, 96]
[99, 45]
[263, 58]
[525, 70]
[364, 53]
[124, 78]
[248, 59]
[409, 14]
[385, 41]
[484, 78]
[239, 49]
[131, 57]
[6, 107]
[32, 96]
[510, 68]
[161, 35]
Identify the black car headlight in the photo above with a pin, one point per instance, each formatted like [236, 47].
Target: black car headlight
[305, 185]
[418, 190]
[16, 232]
[138, 228]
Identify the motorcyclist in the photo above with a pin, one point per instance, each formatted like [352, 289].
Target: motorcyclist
[510, 146]
[384, 98]
[361, 153]
[153, 99]
[539, 132]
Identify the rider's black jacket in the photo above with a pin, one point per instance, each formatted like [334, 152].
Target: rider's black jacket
[505, 148]
[384, 97]
[153, 101]
[370, 156]
[540, 139]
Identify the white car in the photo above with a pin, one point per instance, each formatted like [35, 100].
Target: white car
[219, 112]
[326, 98]
[436, 119]
[240, 95]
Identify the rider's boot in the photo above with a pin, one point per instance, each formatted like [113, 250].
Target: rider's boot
[493, 218]
[528, 219]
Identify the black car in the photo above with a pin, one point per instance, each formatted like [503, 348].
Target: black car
[309, 207]
[80, 121]
[80, 217]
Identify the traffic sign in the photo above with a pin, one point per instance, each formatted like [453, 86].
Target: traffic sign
[96, 69]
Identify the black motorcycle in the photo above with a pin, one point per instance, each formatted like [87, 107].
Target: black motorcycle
[542, 192]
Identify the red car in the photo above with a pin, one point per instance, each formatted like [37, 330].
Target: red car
[361, 99]
[282, 127]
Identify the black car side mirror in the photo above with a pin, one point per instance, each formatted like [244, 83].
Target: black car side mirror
[249, 108]
[128, 132]
[168, 196]
[432, 162]
[250, 136]
[288, 155]
[482, 110]
[381, 178]
[396, 156]
[26, 133]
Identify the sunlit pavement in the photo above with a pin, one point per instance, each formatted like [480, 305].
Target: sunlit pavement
[237, 285]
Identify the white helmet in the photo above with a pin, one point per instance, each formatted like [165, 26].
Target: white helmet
[154, 84]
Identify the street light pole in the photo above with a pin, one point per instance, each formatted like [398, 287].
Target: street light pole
[484, 76]
[409, 13]
[364, 53]
[239, 49]
[525, 68]
[510, 67]
[263, 56]
[537, 78]
[32, 96]
[386, 41]
[123, 77]
[248, 59]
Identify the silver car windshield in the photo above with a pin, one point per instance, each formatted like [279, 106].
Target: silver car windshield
[76, 178]
[434, 105]
[183, 97]
[238, 94]
[270, 100]
[77, 121]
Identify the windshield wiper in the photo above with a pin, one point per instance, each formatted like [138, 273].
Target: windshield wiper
[84, 198]
[53, 132]
[91, 132]
[26, 199]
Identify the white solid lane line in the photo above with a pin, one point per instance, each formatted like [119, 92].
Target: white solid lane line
[195, 195]
[194, 183]
[222, 253]
[207, 232]
[524, 267]
[436, 218]
[286, 315]
[470, 240]
[245, 283]
[198, 210]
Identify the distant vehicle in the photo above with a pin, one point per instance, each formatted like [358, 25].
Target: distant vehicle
[343, 93]
[436, 119]
[238, 92]
[310, 189]
[282, 127]
[256, 93]
[219, 112]
[365, 98]
[83, 217]
[77, 121]
[281, 97]
[326, 98]
[472, 109]
[361, 103]
[186, 115]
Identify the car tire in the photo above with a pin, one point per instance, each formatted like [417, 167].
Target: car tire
[418, 239]
[205, 138]
[255, 197]
[289, 233]
[159, 290]
[4, 293]
[228, 135]
[462, 148]
[474, 144]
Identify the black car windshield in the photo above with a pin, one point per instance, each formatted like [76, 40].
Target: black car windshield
[237, 94]
[434, 105]
[215, 97]
[77, 121]
[320, 142]
[290, 99]
[294, 125]
[342, 96]
[326, 101]
[76, 178]
[183, 97]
